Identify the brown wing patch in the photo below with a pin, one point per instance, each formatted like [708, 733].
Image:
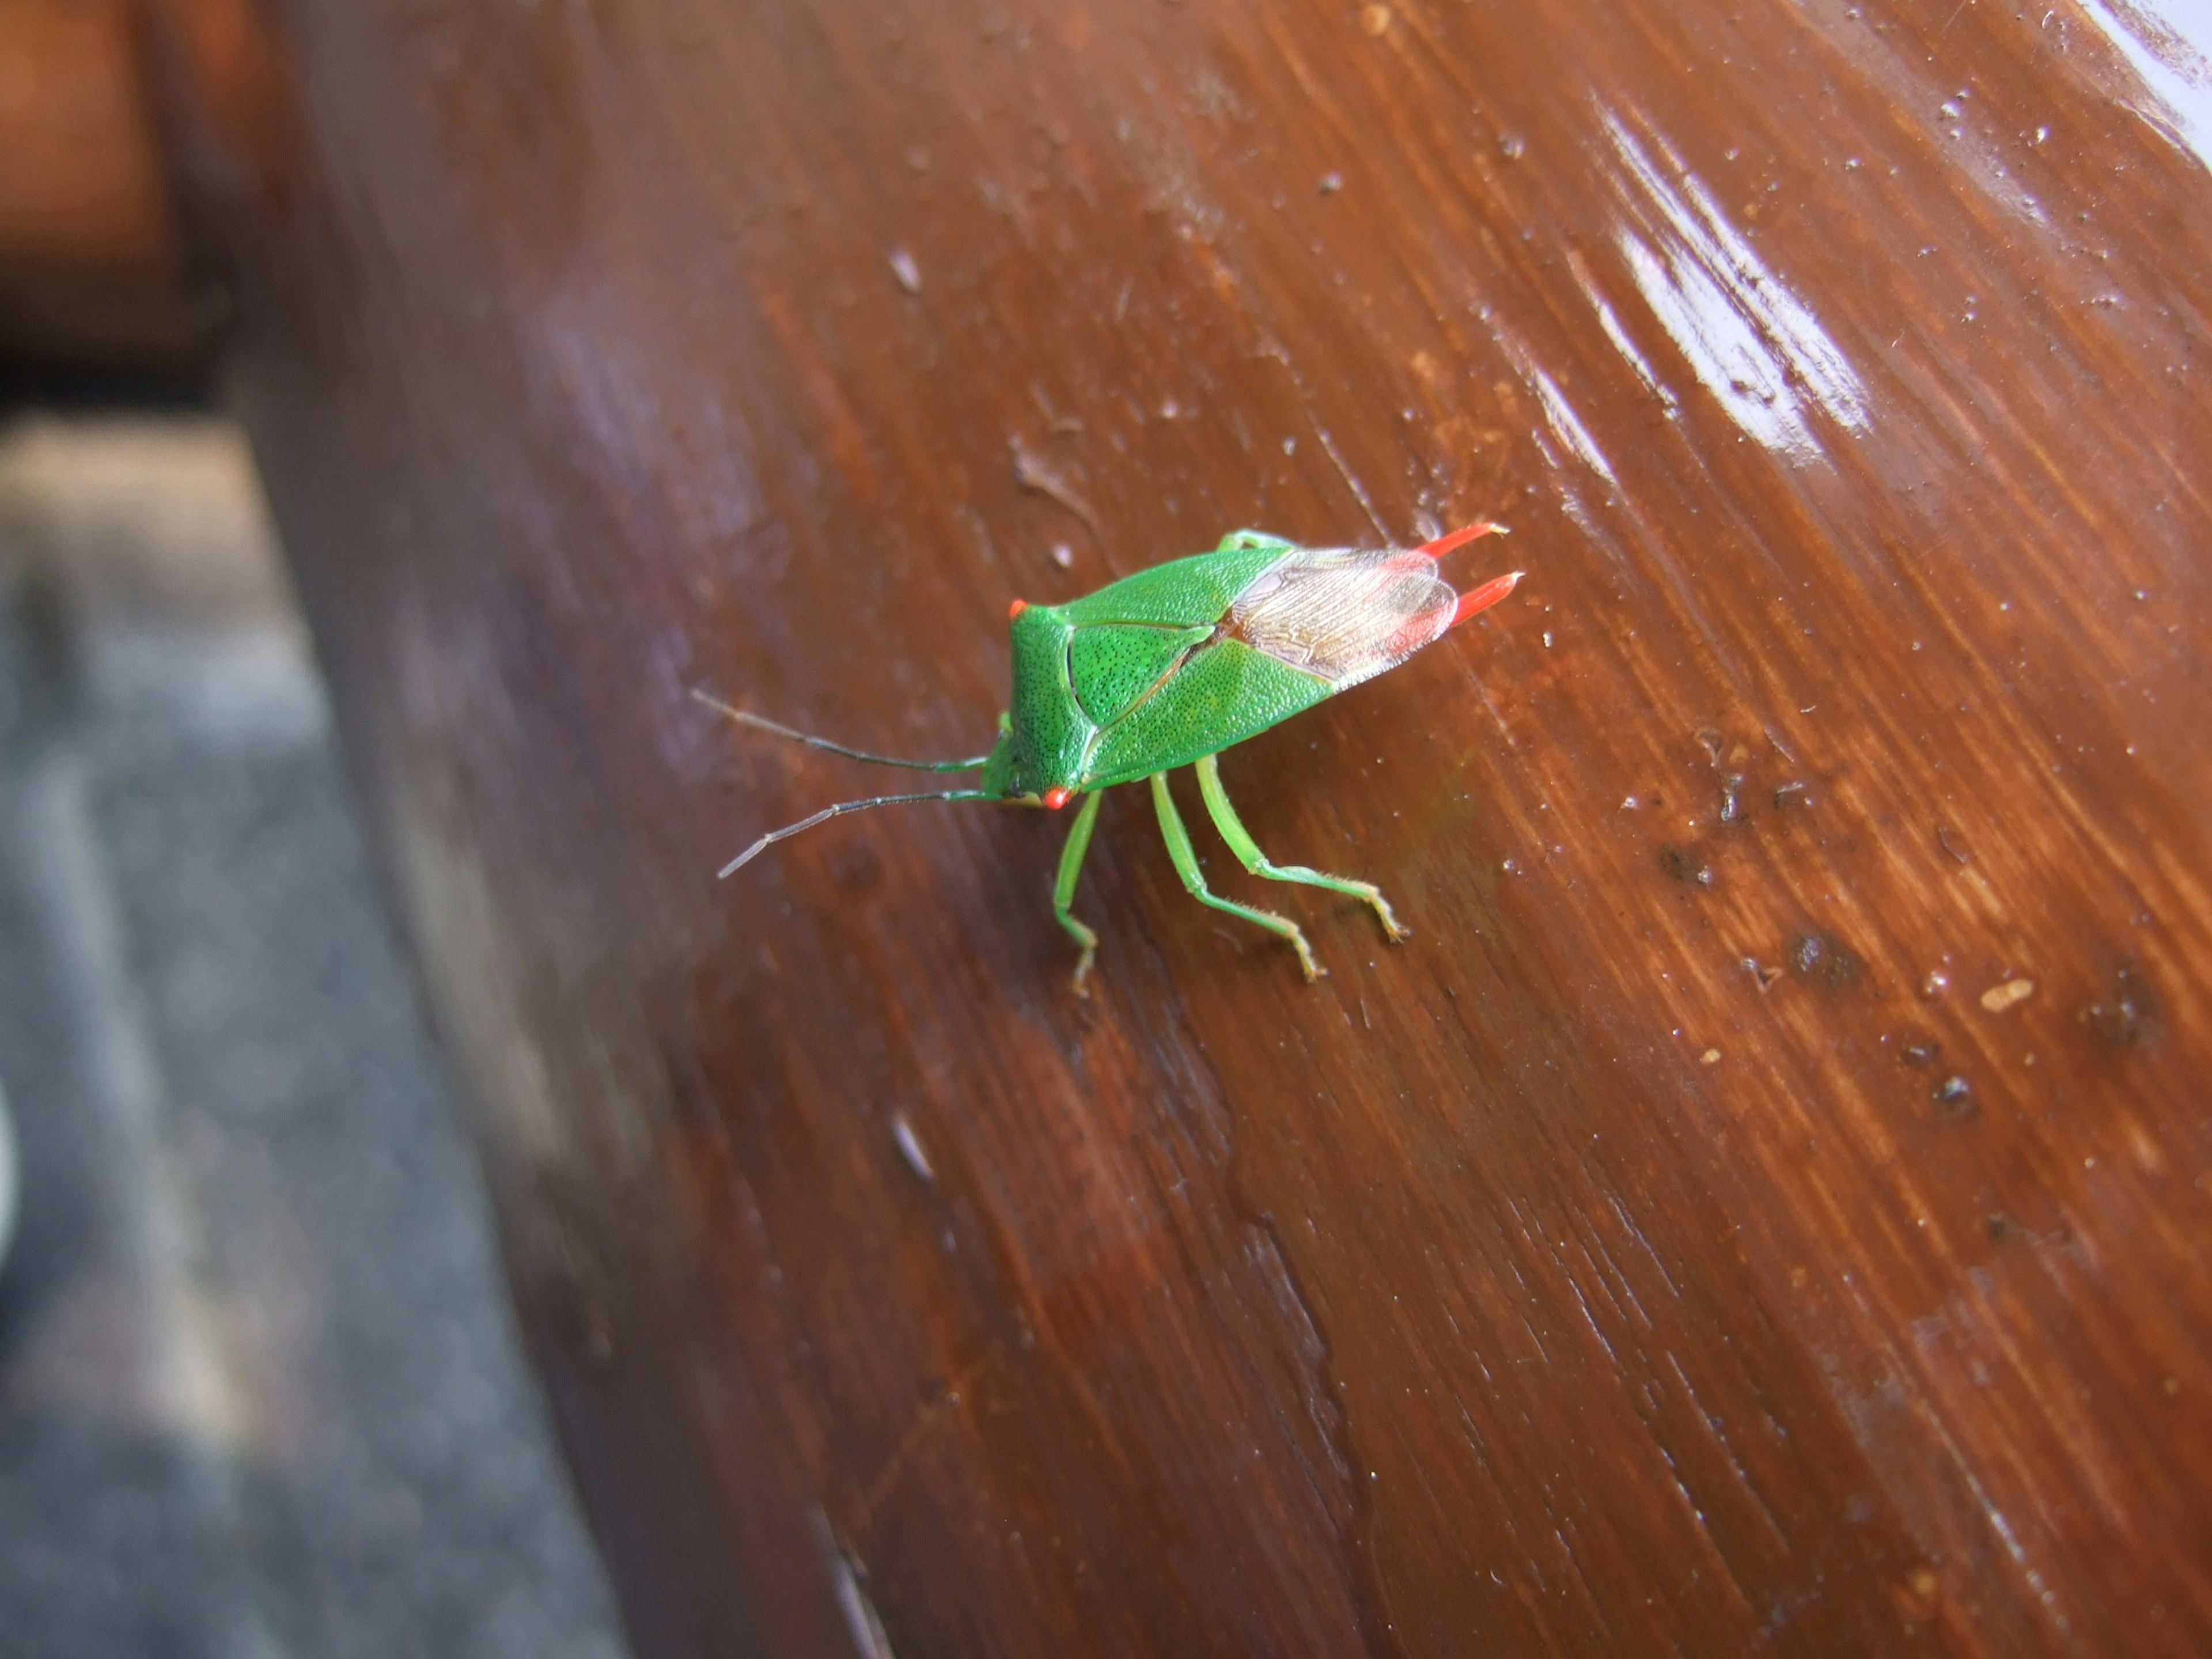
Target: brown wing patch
[1342, 613]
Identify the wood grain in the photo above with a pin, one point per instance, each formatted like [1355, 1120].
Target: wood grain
[1763, 1210]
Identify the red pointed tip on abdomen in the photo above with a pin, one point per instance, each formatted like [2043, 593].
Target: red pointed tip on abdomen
[1482, 598]
[1443, 544]
[1055, 798]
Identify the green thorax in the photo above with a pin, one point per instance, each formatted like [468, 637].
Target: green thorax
[1136, 679]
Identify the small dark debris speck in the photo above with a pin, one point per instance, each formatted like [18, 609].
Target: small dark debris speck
[2119, 1021]
[1822, 956]
[1731, 797]
[1686, 866]
[1954, 1092]
[1764, 976]
[1951, 843]
[1782, 795]
[1922, 1053]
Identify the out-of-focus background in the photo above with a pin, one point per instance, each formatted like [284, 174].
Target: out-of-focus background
[260, 1392]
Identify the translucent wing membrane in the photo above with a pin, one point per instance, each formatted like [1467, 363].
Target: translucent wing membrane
[1343, 614]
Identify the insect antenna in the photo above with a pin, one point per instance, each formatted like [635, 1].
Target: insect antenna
[841, 808]
[770, 726]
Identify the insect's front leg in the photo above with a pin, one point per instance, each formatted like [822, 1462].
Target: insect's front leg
[1063, 888]
[1185, 857]
[1250, 856]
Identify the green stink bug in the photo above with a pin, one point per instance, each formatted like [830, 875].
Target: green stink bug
[1169, 667]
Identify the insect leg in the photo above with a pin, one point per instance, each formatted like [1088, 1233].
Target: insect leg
[1236, 540]
[1063, 889]
[1250, 856]
[1186, 863]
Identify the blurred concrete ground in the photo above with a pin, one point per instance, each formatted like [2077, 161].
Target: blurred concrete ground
[259, 1390]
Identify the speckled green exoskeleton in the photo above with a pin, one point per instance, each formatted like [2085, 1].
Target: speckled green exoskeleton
[1170, 666]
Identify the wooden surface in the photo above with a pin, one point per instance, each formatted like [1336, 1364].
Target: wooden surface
[1762, 1210]
[92, 268]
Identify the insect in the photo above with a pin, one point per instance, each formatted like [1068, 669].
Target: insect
[1167, 668]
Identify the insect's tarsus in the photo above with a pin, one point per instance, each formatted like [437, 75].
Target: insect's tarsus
[838, 811]
[761, 723]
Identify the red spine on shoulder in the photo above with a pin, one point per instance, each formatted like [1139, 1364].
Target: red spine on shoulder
[1443, 544]
[1482, 598]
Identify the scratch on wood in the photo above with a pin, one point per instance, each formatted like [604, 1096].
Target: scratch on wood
[851, 1578]
[1033, 471]
[1358, 489]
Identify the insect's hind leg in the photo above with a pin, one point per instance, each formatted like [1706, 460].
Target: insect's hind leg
[1236, 540]
[1063, 888]
[1250, 856]
[1185, 857]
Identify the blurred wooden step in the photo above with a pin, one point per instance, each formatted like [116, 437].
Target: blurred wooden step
[92, 265]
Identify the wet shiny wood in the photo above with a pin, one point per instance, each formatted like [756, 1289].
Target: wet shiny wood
[1763, 1209]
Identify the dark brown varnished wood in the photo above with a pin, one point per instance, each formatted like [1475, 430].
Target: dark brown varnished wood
[1762, 1211]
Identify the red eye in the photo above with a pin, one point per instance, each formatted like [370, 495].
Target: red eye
[1055, 798]
[1016, 608]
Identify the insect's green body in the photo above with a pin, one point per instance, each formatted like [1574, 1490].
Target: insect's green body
[1132, 680]
[1168, 667]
